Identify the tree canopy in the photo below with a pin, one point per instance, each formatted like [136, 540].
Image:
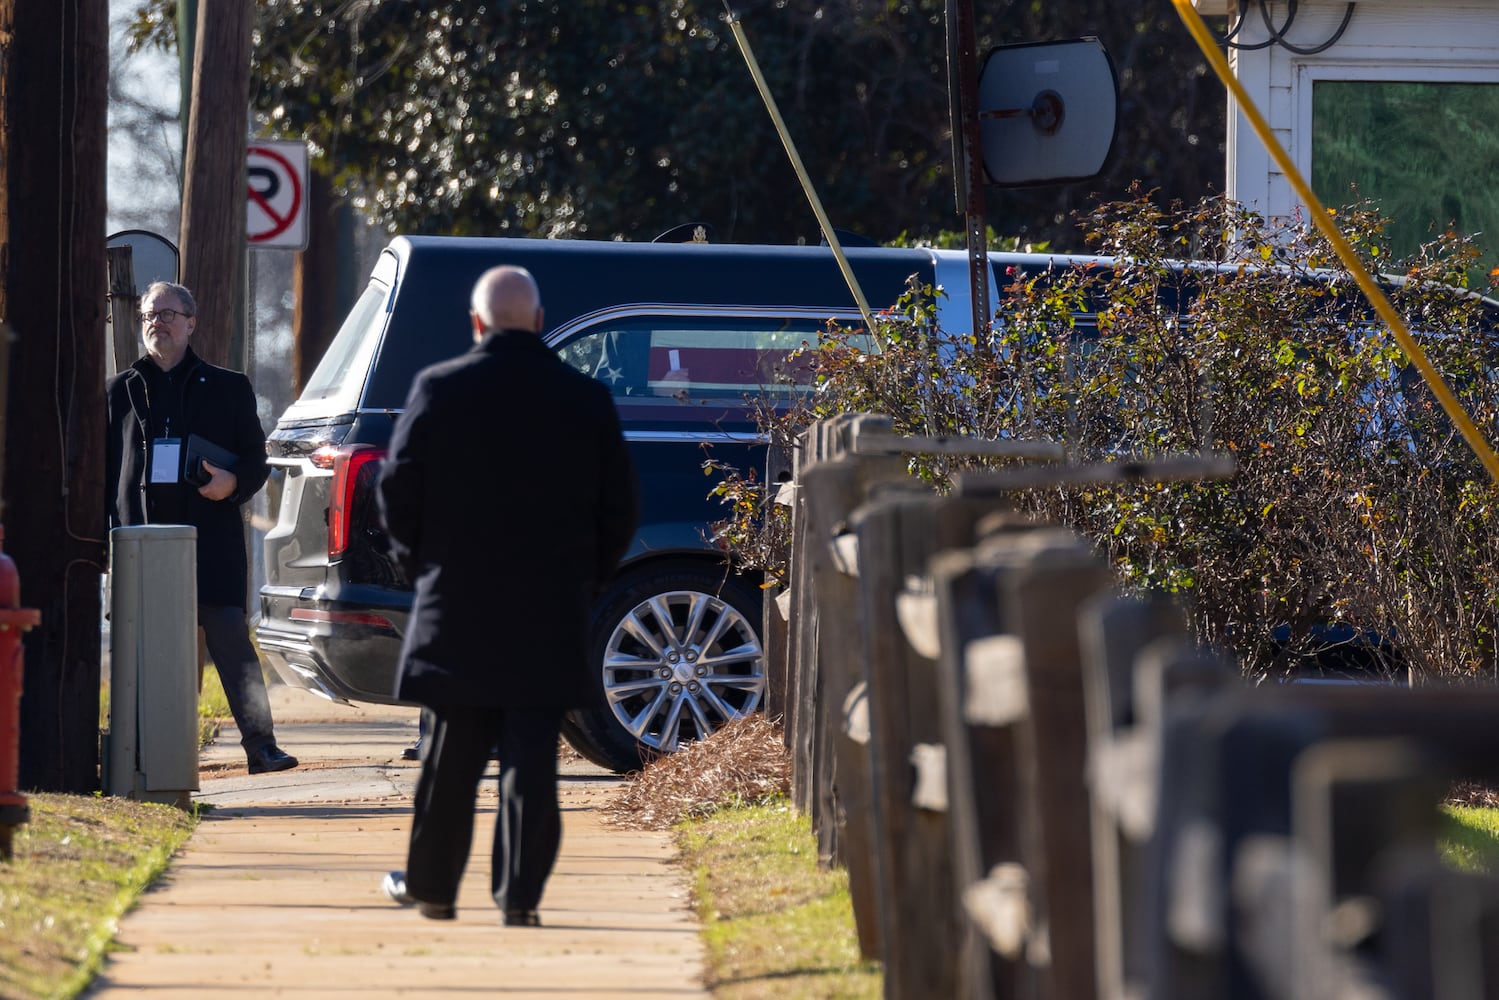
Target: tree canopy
[618, 119]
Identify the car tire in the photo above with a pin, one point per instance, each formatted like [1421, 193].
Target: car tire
[678, 653]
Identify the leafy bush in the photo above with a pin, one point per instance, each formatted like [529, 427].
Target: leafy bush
[1359, 528]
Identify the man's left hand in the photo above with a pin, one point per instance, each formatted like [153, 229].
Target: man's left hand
[221, 485]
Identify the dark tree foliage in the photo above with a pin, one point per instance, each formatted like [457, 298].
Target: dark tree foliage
[1171, 114]
[610, 118]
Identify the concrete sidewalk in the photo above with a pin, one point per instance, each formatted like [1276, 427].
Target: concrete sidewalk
[277, 893]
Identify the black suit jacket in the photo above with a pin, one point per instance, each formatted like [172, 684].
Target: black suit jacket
[217, 404]
[509, 497]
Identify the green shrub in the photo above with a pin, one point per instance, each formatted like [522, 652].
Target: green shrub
[1356, 503]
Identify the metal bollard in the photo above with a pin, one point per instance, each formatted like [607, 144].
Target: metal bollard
[14, 620]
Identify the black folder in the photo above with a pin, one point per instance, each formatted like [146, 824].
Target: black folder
[200, 448]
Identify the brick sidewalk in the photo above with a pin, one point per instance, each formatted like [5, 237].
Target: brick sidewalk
[278, 891]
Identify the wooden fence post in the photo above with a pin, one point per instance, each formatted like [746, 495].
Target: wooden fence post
[1123, 775]
[801, 634]
[983, 811]
[826, 441]
[1277, 807]
[1047, 577]
[780, 483]
[843, 649]
[898, 531]
[845, 821]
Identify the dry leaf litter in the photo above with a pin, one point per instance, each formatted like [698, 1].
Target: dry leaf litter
[1469, 793]
[744, 762]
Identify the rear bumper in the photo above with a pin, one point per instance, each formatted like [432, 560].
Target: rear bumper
[297, 663]
[341, 652]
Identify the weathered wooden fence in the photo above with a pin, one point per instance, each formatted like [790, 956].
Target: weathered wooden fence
[1041, 789]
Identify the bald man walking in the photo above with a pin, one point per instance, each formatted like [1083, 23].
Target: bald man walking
[509, 498]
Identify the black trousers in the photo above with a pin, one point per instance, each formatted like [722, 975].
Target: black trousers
[228, 640]
[528, 830]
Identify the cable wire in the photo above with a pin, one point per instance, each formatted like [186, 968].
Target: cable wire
[1278, 34]
[801, 171]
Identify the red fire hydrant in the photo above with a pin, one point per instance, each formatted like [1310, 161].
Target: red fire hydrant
[14, 620]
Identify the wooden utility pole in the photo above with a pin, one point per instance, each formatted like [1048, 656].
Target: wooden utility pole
[212, 239]
[124, 304]
[54, 61]
[187, 39]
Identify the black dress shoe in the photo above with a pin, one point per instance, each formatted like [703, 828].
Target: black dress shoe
[522, 918]
[413, 752]
[271, 758]
[437, 911]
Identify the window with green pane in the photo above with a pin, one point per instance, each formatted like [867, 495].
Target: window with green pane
[1426, 153]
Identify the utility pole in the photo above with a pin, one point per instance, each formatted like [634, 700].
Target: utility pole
[212, 239]
[54, 58]
[187, 36]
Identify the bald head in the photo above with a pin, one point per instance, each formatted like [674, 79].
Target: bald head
[505, 298]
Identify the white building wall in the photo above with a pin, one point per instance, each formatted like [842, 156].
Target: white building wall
[1450, 41]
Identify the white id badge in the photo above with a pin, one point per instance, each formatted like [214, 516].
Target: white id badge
[166, 459]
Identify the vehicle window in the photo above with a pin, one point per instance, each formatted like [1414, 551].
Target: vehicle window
[339, 377]
[698, 358]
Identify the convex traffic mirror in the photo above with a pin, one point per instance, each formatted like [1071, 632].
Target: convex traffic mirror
[1048, 112]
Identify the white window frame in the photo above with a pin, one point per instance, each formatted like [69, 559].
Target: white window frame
[1308, 75]
[1438, 41]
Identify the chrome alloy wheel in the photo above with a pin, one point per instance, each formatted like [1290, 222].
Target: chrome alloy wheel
[679, 665]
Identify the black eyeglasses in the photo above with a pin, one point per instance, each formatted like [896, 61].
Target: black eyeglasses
[165, 315]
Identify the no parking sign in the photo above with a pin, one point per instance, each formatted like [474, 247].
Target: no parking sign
[276, 178]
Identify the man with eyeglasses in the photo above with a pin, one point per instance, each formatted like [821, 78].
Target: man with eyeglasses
[164, 412]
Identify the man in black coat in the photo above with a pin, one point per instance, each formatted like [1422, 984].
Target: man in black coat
[509, 498]
[154, 407]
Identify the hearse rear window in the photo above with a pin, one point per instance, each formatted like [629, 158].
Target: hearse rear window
[648, 359]
[339, 376]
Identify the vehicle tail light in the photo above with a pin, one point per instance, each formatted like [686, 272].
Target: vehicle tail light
[346, 463]
[341, 617]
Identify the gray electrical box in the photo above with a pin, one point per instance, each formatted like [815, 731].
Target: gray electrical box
[152, 744]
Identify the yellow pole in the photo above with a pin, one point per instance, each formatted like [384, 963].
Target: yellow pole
[1323, 222]
[801, 171]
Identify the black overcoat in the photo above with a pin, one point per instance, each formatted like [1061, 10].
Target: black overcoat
[218, 404]
[509, 497]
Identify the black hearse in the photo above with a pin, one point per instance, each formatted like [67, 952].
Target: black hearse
[681, 332]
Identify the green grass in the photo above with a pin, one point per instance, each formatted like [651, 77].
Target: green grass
[1470, 839]
[775, 924]
[213, 706]
[78, 865]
